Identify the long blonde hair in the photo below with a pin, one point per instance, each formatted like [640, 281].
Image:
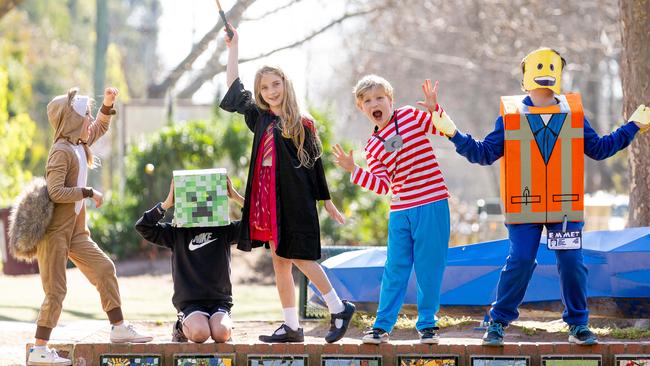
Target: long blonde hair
[291, 118]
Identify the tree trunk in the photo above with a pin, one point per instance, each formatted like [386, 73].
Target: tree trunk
[101, 46]
[635, 74]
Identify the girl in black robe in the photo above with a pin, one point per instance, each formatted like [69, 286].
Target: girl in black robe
[285, 180]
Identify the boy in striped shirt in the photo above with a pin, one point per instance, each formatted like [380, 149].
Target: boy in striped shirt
[400, 159]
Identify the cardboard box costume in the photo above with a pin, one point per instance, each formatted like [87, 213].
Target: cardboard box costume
[542, 172]
[200, 198]
[542, 182]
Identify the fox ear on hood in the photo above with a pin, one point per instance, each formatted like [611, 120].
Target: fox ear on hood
[72, 92]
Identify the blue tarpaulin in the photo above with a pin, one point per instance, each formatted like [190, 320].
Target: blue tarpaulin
[618, 263]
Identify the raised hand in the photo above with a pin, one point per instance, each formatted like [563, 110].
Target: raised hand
[233, 194]
[169, 201]
[345, 161]
[110, 94]
[641, 117]
[234, 41]
[430, 96]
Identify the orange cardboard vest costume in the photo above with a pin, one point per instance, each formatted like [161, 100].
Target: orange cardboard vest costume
[542, 170]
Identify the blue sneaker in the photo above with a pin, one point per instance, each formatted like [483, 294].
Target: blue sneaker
[581, 334]
[493, 335]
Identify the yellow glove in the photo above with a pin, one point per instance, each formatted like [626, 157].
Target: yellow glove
[443, 123]
[642, 117]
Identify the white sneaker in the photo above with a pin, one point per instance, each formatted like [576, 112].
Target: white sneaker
[46, 357]
[375, 336]
[126, 333]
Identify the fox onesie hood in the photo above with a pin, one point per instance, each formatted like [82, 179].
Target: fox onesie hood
[66, 115]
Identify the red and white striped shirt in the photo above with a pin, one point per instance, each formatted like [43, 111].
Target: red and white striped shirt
[412, 172]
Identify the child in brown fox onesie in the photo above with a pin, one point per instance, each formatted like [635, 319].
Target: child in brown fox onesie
[67, 236]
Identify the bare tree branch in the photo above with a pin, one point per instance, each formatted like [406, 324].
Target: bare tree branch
[214, 67]
[271, 12]
[234, 15]
[7, 5]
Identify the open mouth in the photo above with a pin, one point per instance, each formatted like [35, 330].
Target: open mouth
[377, 115]
[545, 80]
[202, 211]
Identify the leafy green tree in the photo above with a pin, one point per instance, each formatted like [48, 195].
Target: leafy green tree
[16, 133]
[223, 142]
[191, 145]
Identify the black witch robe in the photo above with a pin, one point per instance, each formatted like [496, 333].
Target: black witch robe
[297, 187]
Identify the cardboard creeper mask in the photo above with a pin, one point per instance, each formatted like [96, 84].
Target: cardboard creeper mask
[200, 198]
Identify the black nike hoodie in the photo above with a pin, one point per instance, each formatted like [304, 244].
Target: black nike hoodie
[200, 258]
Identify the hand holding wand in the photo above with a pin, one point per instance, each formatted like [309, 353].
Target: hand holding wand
[225, 22]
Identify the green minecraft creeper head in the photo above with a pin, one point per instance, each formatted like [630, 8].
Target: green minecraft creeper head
[200, 198]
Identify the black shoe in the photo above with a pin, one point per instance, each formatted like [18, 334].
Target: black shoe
[289, 335]
[429, 335]
[177, 333]
[335, 333]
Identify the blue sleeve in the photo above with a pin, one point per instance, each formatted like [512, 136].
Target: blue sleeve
[483, 152]
[600, 148]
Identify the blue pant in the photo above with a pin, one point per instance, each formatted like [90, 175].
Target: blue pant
[516, 274]
[417, 236]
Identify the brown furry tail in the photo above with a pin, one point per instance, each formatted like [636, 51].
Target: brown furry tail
[29, 218]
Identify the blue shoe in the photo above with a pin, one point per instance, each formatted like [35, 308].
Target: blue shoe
[494, 335]
[581, 334]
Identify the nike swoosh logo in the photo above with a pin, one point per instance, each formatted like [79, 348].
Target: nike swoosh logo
[193, 247]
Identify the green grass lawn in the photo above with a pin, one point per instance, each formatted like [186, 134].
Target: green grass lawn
[143, 298]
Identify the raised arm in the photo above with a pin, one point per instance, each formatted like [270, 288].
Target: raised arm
[483, 152]
[101, 123]
[237, 98]
[233, 194]
[232, 68]
[436, 121]
[149, 227]
[602, 147]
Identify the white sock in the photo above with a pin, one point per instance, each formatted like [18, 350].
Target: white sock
[40, 347]
[334, 303]
[291, 318]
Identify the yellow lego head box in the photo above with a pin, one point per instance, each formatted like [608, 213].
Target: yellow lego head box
[542, 68]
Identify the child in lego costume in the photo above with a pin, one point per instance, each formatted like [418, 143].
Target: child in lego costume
[401, 161]
[67, 236]
[285, 180]
[200, 270]
[542, 138]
